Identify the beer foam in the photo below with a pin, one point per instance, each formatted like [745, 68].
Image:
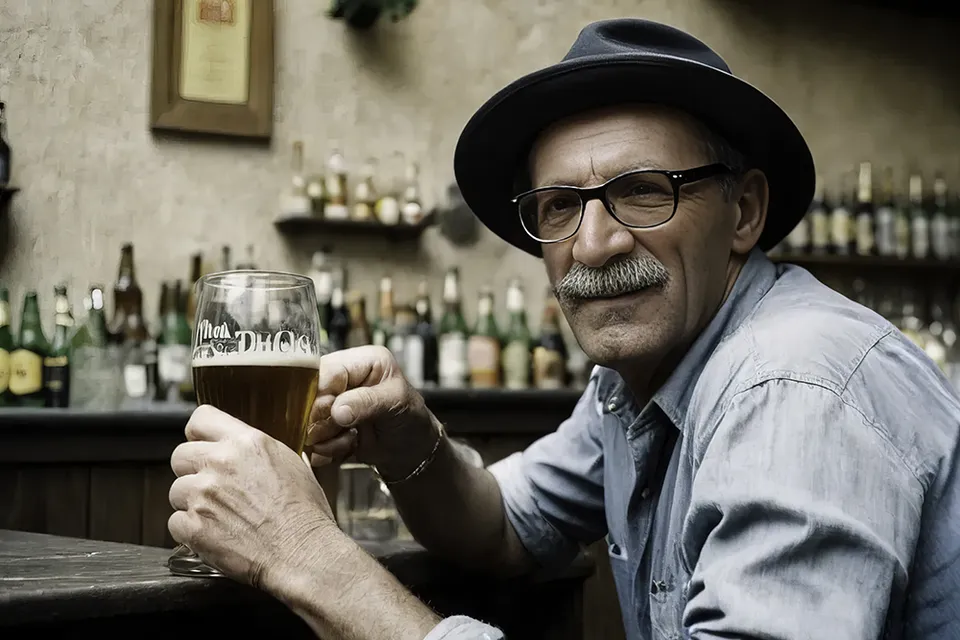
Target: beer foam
[259, 359]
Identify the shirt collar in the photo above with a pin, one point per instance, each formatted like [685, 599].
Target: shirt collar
[754, 281]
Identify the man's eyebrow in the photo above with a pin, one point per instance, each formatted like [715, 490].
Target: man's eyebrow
[556, 180]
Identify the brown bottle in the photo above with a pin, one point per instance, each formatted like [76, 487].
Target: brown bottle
[190, 301]
[127, 322]
[359, 334]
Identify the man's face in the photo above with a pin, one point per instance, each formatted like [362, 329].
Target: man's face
[672, 278]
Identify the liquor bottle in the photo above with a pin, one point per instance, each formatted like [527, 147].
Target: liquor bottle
[26, 361]
[940, 240]
[404, 323]
[173, 347]
[420, 350]
[864, 237]
[93, 373]
[919, 221]
[294, 200]
[339, 323]
[819, 214]
[388, 205]
[841, 220]
[336, 205]
[190, 304]
[365, 193]
[516, 340]
[483, 346]
[383, 327]
[128, 329]
[885, 223]
[322, 275]
[6, 348]
[56, 366]
[903, 229]
[453, 369]
[359, 333]
[6, 155]
[412, 209]
[798, 240]
[550, 354]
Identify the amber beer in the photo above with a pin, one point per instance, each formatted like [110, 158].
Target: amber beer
[267, 390]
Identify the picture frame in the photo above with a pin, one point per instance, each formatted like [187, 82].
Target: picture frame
[213, 67]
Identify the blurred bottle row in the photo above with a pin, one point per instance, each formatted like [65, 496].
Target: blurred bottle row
[914, 221]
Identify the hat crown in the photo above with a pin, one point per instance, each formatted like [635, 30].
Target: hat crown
[634, 36]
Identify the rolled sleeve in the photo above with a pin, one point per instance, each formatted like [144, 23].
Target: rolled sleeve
[802, 523]
[464, 628]
[553, 491]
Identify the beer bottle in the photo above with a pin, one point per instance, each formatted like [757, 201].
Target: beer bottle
[294, 200]
[5, 153]
[819, 214]
[405, 321]
[412, 210]
[173, 350]
[6, 348]
[902, 230]
[359, 333]
[93, 383]
[939, 221]
[385, 316]
[127, 321]
[339, 321]
[336, 206]
[56, 366]
[365, 193]
[483, 347]
[919, 221]
[322, 276]
[26, 361]
[885, 227]
[453, 335]
[550, 354]
[864, 237]
[841, 220]
[516, 341]
[420, 351]
[154, 381]
[190, 305]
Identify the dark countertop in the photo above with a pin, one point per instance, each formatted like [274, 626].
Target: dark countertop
[48, 579]
[151, 433]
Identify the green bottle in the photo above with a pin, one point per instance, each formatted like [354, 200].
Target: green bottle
[173, 348]
[56, 366]
[483, 347]
[517, 341]
[6, 348]
[453, 335]
[26, 361]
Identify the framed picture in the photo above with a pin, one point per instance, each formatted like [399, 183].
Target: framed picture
[213, 67]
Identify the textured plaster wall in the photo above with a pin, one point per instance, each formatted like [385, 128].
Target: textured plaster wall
[75, 76]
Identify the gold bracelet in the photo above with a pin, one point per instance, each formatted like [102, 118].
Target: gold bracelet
[420, 467]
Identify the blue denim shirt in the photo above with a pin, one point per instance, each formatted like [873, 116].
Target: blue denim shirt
[796, 477]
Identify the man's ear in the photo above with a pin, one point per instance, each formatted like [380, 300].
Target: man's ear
[753, 197]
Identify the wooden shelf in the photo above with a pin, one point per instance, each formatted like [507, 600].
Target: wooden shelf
[310, 225]
[867, 264]
[6, 193]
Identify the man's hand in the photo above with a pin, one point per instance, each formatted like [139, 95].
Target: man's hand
[366, 407]
[245, 503]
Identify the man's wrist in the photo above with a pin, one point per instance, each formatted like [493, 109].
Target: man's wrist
[421, 444]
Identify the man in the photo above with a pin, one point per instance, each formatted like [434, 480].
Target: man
[765, 458]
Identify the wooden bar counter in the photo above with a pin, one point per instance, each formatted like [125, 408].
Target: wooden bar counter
[68, 587]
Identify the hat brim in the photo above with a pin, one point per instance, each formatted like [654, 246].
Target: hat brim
[495, 143]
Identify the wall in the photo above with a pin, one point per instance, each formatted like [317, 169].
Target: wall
[75, 76]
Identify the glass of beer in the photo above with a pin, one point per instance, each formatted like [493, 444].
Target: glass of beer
[256, 356]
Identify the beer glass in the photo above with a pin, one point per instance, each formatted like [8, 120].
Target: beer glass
[256, 355]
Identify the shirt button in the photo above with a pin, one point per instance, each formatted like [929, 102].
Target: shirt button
[613, 405]
[645, 493]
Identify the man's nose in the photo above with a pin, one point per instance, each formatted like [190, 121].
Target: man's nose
[600, 237]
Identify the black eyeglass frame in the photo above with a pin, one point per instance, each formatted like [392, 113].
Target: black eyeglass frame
[677, 180]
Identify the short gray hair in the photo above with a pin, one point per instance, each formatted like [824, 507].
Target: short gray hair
[717, 149]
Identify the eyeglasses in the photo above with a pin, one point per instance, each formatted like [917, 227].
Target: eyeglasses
[636, 199]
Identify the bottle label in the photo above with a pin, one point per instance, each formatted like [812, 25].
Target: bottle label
[516, 365]
[388, 210]
[799, 238]
[26, 372]
[135, 380]
[820, 238]
[864, 234]
[920, 234]
[413, 356]
[483, 356]
[173, 363]
[548, 368]
[940, 236]
[57, 380]
[4, 370]
[885, 233]
[453, 360]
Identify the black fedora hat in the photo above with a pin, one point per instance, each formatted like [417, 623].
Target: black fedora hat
[630, 61]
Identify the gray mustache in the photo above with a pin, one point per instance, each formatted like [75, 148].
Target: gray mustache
[615, 279]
